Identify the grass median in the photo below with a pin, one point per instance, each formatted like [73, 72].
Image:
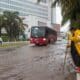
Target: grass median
[14, 44]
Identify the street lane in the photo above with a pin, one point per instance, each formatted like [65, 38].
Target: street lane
[34, 63]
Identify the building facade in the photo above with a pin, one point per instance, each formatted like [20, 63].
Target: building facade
[26, 8]
[34, 13]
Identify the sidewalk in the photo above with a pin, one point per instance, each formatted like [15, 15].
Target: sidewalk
[69, 66]
[13, 44]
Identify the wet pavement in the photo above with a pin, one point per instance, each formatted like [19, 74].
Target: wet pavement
[36, 63]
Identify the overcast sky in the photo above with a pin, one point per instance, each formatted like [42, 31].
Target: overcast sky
[64, 28]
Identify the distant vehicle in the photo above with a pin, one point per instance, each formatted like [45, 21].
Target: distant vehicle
[41, 35]
[59, 38]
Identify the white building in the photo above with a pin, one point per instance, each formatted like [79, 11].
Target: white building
[35, 14]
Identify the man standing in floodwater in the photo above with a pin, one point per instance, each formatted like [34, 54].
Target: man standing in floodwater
[74, 42]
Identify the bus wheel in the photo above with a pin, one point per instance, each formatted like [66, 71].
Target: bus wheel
[37, 44]
[46, 44]
[52, 41]
[49, 41]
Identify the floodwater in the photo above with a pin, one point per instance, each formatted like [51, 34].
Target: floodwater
[32, 62]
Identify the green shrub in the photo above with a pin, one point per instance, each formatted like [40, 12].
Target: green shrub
[5, 38]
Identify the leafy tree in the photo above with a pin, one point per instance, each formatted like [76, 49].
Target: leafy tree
[70, 11]
[1, 23]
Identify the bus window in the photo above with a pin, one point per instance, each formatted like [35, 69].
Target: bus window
[37, 32]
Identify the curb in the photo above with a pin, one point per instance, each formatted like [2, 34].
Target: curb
[13, 44]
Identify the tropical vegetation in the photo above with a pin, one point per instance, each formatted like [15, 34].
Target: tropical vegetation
[70, 11]
[12, 23]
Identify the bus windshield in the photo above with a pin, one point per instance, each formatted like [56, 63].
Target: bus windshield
[37, 32]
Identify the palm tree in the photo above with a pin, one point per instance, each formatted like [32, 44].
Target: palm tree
[13, 24]
[70, 11]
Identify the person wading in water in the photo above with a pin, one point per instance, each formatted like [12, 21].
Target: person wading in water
[74, 44]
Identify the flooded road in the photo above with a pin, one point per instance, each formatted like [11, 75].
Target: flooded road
[35, 63]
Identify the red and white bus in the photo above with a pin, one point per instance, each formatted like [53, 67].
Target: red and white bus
[42, 35]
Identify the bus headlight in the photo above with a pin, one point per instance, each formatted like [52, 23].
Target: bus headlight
[44, 39]
[31, 39]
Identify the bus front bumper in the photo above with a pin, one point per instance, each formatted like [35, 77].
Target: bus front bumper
[40, 41]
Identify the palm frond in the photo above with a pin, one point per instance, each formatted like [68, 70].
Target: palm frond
[65, 19]
[54, 3]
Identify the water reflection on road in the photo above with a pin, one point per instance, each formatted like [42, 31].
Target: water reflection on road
[34, 63]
